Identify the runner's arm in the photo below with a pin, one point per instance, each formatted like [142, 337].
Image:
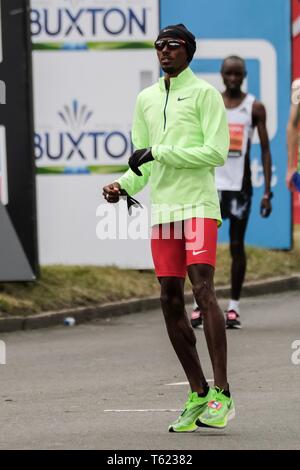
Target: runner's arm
[292, 142]
[215, 131]
[259, 117]
[131, 182]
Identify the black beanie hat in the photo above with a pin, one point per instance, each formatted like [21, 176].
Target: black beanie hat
[179, 31]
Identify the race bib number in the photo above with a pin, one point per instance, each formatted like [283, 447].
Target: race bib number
[236, 140]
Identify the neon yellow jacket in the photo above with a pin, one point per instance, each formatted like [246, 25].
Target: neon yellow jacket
[186, 126]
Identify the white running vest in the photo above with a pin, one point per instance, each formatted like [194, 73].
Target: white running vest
[230, 176]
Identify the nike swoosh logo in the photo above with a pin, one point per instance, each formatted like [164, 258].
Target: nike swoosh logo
[198, 252]
[181, 99]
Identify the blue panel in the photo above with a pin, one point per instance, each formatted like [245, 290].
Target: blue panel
[267, 20]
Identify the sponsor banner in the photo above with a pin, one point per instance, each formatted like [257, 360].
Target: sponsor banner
[296, 37]
[296, 75]
[76, 225]
[1, 53]
[63, 24]
[83, 120]
[239, 28]
[86, 80]
[3, 168]
[18, 238]
[3, 164]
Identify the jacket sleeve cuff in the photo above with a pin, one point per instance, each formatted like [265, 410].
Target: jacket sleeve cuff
[155, 152]
[122, 183]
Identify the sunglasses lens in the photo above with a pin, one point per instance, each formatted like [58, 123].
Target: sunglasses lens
[158, 45]
[174, 44]
[171, 44]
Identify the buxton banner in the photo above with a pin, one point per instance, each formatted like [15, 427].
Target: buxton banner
[91, 58]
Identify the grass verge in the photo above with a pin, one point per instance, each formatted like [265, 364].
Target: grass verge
[62, 287]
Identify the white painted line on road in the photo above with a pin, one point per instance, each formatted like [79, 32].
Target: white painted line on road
[142, 411]
[178, 383]
[151, 410]
[186, 383]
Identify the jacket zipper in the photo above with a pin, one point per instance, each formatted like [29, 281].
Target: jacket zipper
[166, 103]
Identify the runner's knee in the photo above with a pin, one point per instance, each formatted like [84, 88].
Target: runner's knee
[204, 295]
[171, 302]
[172, 299]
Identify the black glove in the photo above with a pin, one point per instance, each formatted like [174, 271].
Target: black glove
[130, 201]
[138, 158]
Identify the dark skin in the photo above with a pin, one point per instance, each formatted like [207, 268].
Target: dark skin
[180, 332]
[292, 141]
[173, 62]
[233, 74]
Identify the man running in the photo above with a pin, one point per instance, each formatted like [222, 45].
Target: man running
[293, 142]
[181, 134]
[233, 180]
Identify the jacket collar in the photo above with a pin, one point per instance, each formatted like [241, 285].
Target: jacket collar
[182, 79]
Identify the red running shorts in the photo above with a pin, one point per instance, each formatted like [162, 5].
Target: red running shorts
[177, 245]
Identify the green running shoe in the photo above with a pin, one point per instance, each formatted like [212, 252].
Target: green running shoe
[194, 406]
[218, 411]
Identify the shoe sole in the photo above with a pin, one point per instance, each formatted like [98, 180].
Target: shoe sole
[174, 430]
[198, 327]
[195, 324]
[233, 326]
[230, 416]
[193, 427]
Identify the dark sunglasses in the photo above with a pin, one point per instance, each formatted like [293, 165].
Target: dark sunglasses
[172, 44]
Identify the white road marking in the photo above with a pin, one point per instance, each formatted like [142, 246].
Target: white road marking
[151, 410]
[186, 383]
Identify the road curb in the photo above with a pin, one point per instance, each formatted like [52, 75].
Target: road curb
[86, 314]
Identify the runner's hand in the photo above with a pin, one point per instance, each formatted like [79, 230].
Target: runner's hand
[289, 177]
[112, 192]
[266, 206]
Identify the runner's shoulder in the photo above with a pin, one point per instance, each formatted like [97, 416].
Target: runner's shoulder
[258, 109]
[205, 89]
[148, 92]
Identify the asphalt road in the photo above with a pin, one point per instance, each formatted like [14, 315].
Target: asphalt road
[106, 385]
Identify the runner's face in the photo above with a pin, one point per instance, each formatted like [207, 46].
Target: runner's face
[172, 61]
[233, 74]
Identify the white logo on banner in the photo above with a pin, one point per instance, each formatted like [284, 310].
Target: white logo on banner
[262, 51]
[80, 142]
